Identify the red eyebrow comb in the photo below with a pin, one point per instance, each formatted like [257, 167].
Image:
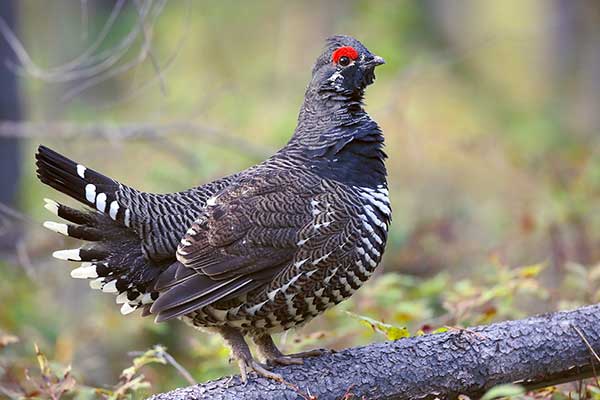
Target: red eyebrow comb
[347, 51]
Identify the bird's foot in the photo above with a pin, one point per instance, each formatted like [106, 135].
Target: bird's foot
[312, 353]
[285, 360]
[297, 358]
[274, 356]
[250, 364]
[241, 353]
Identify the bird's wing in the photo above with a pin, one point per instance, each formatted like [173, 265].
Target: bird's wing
[248, 234]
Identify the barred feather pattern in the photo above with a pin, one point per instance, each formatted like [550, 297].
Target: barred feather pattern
[261, 251]
[131, 236]
[161, 219]
[284, 243]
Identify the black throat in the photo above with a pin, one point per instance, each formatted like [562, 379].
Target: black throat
[338, 140]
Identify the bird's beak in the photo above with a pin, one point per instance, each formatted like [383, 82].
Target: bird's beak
[375, 61]
[378, 60]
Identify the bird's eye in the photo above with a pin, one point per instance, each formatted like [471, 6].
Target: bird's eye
[344, 61]
[344, 55]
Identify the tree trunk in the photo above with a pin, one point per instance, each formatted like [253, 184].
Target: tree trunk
[535, 352]
[10, 110]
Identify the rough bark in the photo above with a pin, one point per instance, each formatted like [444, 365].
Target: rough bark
[535, 352]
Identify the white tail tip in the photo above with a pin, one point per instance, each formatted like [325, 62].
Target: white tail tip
[127, 309]
[51, 206]
[68, 255]
[147, 298]
[56, 227]
[122, 298]
[96, 283]
[84, 272]
[110, 287]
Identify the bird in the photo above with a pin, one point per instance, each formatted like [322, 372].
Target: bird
[254, 253]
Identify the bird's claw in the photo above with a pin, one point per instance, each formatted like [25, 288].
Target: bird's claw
[258, 368]
[297, 358]
[312, 353]
[285, 360]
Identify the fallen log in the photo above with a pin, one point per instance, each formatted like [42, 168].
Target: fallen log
[535, 352]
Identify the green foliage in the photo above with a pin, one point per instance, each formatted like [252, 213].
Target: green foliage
[406, 304]
[54, 382]
[503, 391]
[391, 332]
[131, 380]
[494, 164]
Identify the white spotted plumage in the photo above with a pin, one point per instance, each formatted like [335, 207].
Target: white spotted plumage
[362, 269]
[211, 201]
[90, 192]
[306, 227]
[114, 209]
[81, 170]
[331, 275]
[383, 207]
[127, 219]
[101, 202]
[271, 295]
[252, 310]
[300, 262]
[287, 285]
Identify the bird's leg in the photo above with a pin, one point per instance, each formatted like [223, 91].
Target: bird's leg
[273, 355]
[241, 352]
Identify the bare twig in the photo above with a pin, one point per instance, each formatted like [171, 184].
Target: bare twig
[170, 60]
[95, 67]
[24, 259]
[131, 131]
[142, 55]
[88, 57]
[182, 371]
[83, 66]
[147, 31]
[7, 210]
[85, 18]
[181, 153]
[161, 352]
[587, 343]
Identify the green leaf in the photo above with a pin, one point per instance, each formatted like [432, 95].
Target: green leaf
[391, 332]
[42, 361]
[531, 271]
[506, 390]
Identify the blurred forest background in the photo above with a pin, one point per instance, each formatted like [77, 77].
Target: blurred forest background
[491, 112]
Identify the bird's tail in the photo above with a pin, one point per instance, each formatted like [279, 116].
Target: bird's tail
[113, 258]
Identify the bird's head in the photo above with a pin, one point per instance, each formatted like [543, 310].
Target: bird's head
[346, 66]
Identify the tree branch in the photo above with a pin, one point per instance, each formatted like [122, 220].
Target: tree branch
[535, 352]
[130, 131]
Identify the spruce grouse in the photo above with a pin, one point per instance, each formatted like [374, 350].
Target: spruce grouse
[256, 252]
